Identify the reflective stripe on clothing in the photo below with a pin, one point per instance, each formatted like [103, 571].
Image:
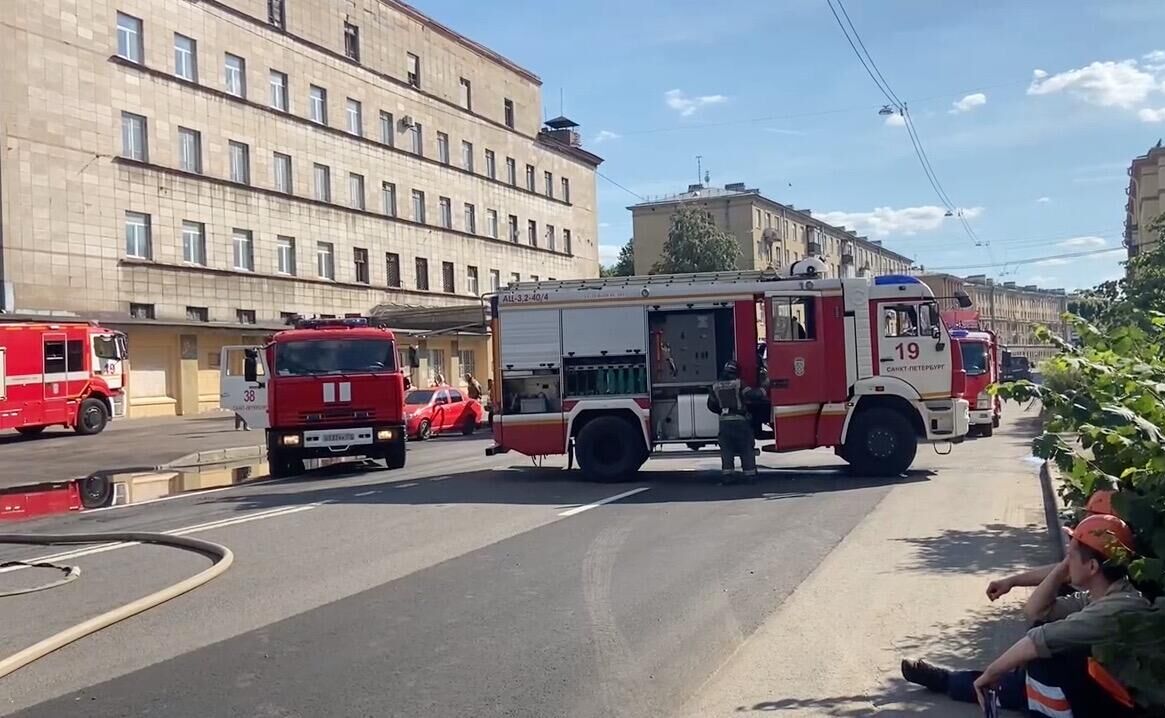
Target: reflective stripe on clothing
[1047, 700]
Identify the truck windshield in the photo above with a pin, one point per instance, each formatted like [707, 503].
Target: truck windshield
[334, 356]
[975, 358]
[107, 346]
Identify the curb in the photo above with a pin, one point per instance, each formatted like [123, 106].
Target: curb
[1053, 509]
[216, 456]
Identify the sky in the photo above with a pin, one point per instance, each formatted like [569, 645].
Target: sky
[1029, 112]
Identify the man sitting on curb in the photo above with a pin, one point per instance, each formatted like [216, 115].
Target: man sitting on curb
[1050, 671]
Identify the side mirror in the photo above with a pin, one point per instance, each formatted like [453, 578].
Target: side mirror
[251, 365]
[963, 299]
[414, 358]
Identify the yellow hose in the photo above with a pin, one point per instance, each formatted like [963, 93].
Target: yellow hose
[223, 558]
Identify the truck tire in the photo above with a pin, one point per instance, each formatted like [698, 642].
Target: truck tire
[30, 430]
[394, 457]
[280, 465]
[609, 449]
[987, 429]
[881, 443]
[96, 491]
[92, 417]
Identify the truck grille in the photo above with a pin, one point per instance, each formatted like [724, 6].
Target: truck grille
[336, 415]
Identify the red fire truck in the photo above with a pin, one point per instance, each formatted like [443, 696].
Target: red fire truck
[980, 351]
[70, 375]
[610, 370]
[326, 388]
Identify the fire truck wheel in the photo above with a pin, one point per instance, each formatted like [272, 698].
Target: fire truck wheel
[92, 418]
[881, 442]
[987, 429]
[608, 449]
[96, 491]
[281, 466]
[394, 458]
[30, 430]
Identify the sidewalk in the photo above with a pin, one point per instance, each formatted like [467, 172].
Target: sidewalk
[126, 445]
[908, 581]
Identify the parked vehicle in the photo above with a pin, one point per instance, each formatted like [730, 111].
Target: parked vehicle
[613, 369]
[980, 350]
[1014, 367]
[429, 412]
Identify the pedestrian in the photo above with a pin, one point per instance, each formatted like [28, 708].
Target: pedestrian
[1051, 671]
[473, 387]
[727, 400]
[438, 379]
[408, 382]
[489, 399]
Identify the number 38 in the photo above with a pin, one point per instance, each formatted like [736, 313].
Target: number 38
[907, 351]
[249, 395]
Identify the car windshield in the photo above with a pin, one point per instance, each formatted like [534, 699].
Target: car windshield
[334, 356]
[975, 358]
[418, 398]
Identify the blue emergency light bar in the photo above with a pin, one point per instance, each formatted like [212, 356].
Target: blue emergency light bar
[350, 322]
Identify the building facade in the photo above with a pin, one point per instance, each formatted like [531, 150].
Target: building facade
[1011, 311]
[770, 234]
[198, 171]
[1146, 199]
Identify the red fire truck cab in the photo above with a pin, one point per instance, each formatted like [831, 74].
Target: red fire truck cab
[71, 375]
[980, 351]
[327, 388]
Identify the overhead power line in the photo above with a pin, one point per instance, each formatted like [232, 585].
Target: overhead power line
[1031, 260]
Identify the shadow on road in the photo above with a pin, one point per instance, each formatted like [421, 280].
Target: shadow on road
[995, 548]
[898, 700]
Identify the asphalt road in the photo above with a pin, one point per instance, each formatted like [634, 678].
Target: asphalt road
[460, 586]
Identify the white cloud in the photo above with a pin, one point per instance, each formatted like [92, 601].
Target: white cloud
[608, 253]
[883, 221]
[1041, 279]
[605, 135]
[679, 101]
[1055, 262]
[968, 103]
[782, 131]
[895, 120]
[1044, 200]
[1087, 242]
[1107, 84]
[604, 225]
[1147, 114]
[1154, 60]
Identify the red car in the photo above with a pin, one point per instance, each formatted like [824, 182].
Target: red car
[433, 411]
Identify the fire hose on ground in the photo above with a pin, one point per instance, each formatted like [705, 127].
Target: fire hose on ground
[221, 555]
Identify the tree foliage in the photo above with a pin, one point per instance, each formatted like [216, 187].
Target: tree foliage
[624, 265]
[695, 244]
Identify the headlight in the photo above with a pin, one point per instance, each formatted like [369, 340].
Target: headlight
[385, 434]
[289, 440]
[983, 401]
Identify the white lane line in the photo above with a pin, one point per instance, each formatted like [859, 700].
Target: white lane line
[197, 528]
[366, 493]
[600, 502]
[408, 485]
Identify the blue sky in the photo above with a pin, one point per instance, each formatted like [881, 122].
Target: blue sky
[1054, 98]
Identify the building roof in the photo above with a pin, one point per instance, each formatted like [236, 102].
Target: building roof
[982, 280]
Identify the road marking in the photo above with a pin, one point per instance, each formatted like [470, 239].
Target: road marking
[600, 502]
[366, 493]
[196, 528]
[408, 485]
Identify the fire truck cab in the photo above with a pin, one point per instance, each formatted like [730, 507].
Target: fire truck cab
[327, 388]
[610, 370]
[71, 375]
[980, 351]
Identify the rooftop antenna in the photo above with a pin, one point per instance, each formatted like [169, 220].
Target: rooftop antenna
[699, 167]
[561, 104]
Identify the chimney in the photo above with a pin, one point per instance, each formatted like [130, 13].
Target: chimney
[695, 187]
[563, 130]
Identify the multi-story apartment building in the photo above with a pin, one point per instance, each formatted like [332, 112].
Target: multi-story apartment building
[197, 171]
[1146, 198]
[770, 234]
[1009, 310]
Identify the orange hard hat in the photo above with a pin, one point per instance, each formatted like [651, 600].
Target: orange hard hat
[1100, 502]
[1101, 531]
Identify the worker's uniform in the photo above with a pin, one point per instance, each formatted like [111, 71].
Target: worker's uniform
[1065, 681]
[736, 438]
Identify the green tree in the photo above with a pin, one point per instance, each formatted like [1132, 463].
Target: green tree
[695, 244]
[624, 266]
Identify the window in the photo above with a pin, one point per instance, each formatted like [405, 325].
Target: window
[189, 150]
[360, 262]
[387, 129]
[443, 148]
[245, 316]
[446, 212]
[129, 37]
[551, 241]
[236, 75]
[418, 133]
[448, 281]
[495, 280]
[471, 280]
[566, 241]
[908, 320]
[285, 255]
[277, 13]
[549, 180]
[388, 198]
[185, 58]
[532, 233]
[137, 236]
[244, 250]
[491, 223]
[392, 268]
[277, 81]
[318, 104]
[467, 155]
[565, 190]
[422, 270]
[530, 177]
[794, 319]
[325, 260]
[141, 311]
[509, 113]
[197, 314]
[515, 277]
[194, 243]
[355, 190]
[418, 206]
[322, 176]
[437, 362]
[240, 162]
[511, 172]
[352, 41]
[533, 277]
[355, 118]
[284, 181]
[134, 140]
[513, 222]
[491, 165]
[414, 70]
[466, 94]
[467, 359]
[470, 218]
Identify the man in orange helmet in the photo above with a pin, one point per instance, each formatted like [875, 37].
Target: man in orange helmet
[1050, 671]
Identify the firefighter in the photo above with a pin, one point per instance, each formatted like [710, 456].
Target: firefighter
[727, 399]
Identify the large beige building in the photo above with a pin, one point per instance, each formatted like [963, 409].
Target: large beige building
[1146, 198]
[196, 171]
[770, 234]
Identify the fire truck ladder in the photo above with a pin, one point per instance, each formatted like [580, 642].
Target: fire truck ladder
[653, 280]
